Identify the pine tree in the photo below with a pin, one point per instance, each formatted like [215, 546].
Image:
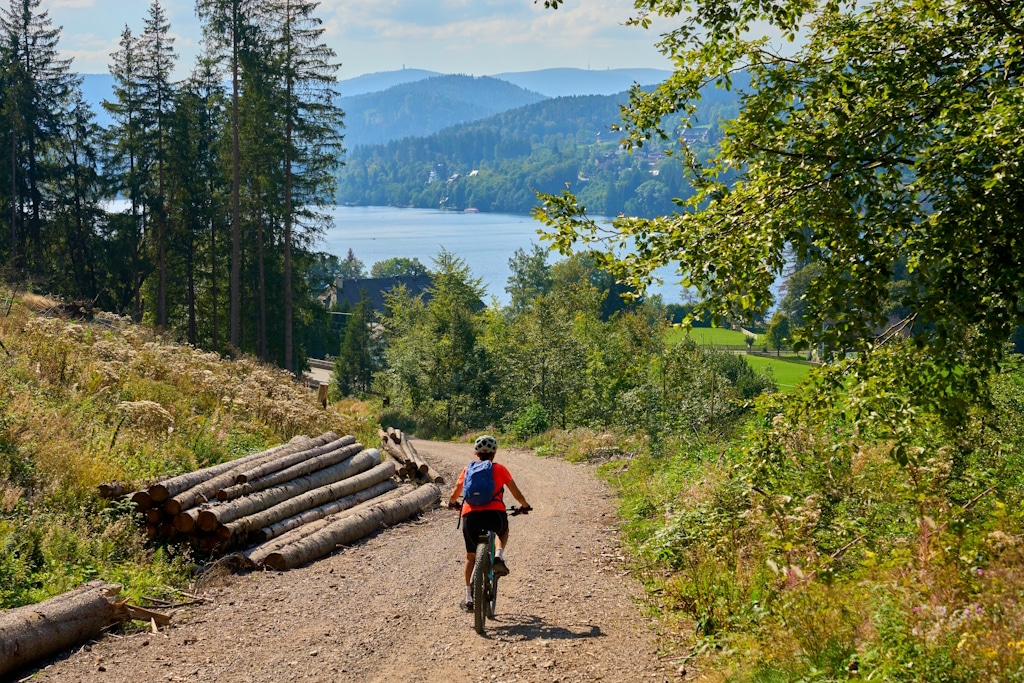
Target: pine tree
[312, 131]
[38, 90]
[226, 23]
[156, 61]
[127, 162]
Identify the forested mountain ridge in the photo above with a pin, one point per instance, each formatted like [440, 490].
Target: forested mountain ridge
[381, 80]
[562, 82]
[499, 163]
[426, 106]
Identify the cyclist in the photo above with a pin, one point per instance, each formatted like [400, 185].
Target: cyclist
[488, 517]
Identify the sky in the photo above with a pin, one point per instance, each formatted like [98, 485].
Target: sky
[476, 37]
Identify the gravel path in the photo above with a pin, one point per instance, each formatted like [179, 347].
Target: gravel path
[386, 609]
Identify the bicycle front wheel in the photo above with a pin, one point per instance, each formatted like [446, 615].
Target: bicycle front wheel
[494, 598]
[480, 571]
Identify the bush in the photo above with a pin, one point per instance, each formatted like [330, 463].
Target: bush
[530, 421]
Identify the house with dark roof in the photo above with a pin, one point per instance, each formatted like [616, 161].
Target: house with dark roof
[348, 293]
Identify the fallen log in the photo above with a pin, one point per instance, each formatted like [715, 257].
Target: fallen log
[113, 489]
[276, 495]
[414, 456]
[142, 500]
[254, 557]
[185, 521]
[311, 497]
[302, 467]
[284, 463]
[321, 511]
[352, 528]
[206, 490]
[168, 488]
[36, 631]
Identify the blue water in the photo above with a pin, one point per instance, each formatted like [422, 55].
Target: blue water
[486, 241]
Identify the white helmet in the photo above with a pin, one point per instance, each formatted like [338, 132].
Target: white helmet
[486, 445]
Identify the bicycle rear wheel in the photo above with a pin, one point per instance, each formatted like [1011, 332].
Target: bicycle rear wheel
[480, 571]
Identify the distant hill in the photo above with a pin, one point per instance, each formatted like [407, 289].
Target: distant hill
[419, 108]
[381, 80]
[498, 163]
[564, 82]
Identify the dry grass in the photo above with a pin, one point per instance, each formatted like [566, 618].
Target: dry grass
[82, 403]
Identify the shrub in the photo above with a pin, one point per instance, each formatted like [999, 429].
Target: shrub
[531, 420]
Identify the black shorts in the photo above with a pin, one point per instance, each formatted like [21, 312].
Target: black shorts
[476, 523]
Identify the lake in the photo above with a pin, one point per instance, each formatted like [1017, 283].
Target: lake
[486, 241]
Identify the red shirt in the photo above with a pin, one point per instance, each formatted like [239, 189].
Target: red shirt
[501, 477]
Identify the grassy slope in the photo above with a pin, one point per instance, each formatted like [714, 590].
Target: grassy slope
[788, 549]
[82, 404]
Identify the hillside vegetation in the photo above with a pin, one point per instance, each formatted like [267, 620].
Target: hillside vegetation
[422, 107]
[82, 403]
[499, 163]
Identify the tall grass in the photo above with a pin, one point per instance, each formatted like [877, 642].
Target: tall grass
[86, 403]
[799, 550]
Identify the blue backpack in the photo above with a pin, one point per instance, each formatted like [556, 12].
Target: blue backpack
[478, 485]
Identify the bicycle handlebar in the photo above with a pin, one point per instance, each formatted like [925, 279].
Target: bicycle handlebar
[515, 509]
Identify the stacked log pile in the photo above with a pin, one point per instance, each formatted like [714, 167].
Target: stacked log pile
[410, 465]
[310, 493]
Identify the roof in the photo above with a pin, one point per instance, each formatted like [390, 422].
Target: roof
[348, 293]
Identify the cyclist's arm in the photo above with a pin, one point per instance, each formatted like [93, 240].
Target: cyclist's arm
[453, 500]
[517, 494]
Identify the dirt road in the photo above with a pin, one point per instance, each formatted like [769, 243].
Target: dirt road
[386, 609]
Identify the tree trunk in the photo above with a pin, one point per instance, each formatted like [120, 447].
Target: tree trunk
[352, 528]
[163, 490]
[291, 473]
[254, 557]
[30, 633]
[263, 470]
[412, 455]
[327, 509]
[271, 506]
[207, 490]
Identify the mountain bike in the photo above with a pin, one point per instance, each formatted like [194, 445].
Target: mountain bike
[484, 585]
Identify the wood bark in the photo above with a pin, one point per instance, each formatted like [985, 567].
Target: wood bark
[30, 633]
[301, 468]
[414, 456]
[254, 557]
[206, 490]
[113, 489]
[352, 528]
[311, 497]
[321, 511]
[169, 488]
[286, 462]
[276, 495]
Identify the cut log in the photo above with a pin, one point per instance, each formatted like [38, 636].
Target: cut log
[207, 490]
[303, 467]
[30, 633]
[275, 495]
[185, 522]
[414, 456]
[353, 527]
[154, 516]
[113, 489]
[169, 488]
[393, 435]
[142, 500]
[395, 451]
[302, 500]
[286, 462]
[321, 511]
[254, 557]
